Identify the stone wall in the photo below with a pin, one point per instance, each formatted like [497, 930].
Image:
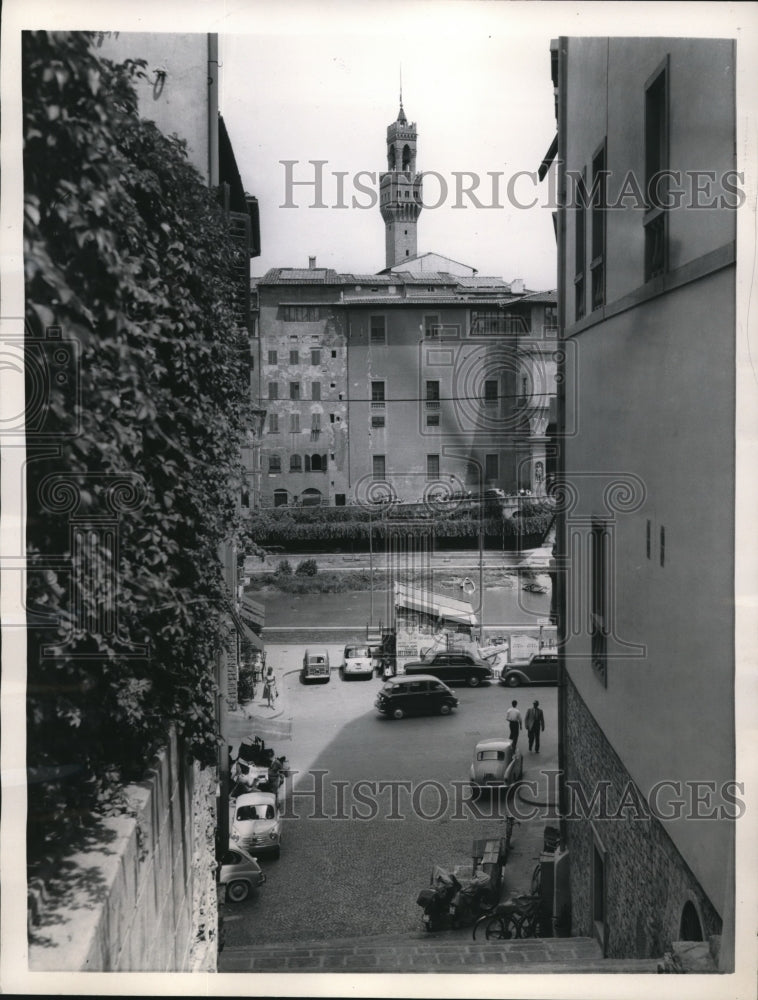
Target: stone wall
[142, 896]
[647, 880]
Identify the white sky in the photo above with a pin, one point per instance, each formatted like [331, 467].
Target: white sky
[482, 100]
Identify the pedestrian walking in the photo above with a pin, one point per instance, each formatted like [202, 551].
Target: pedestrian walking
[269, 687]
[535, 724]
[513, 718]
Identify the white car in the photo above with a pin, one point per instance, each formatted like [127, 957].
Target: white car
[357, 661]
[256, 824]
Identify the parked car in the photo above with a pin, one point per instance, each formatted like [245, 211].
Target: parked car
[495, 765]
[240, 873]
[453, 665]
[541, 669]
[357, 661]
[256, 824]
[315, 666]
[419, 695]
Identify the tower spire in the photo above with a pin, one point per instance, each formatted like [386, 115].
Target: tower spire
[401, 113]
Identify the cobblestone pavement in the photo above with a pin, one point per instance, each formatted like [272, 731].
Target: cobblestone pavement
[340, 878]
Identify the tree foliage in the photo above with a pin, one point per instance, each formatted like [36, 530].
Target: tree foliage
[128, 255]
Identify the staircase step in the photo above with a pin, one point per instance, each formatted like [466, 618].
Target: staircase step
[430, 953]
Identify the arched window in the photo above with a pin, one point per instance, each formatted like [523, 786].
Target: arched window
[296, 463]
[281, 498]
[406, 157]
[392, 158]
[689, 926]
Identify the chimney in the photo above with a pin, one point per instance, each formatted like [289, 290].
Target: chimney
[311, 263]
[517, 286]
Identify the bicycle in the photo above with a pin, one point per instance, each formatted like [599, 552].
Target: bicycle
[517, 918]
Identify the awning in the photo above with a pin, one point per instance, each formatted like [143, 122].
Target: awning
[439, 606]
[247, 635]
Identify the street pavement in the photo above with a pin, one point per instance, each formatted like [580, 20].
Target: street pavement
[340, 875]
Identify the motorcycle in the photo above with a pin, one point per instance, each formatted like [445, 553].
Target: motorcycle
[436, 900]
[471, 900]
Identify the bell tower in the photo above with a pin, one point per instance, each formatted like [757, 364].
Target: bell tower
[400, 190]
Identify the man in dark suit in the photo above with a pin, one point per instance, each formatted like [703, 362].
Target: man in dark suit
[535, 724]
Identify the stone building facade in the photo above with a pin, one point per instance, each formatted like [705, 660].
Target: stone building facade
[402, 380]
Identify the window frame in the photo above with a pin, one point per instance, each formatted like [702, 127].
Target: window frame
[376, 337]
[656, 148]
[598, 218]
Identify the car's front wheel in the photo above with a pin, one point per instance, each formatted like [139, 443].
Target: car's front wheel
[444, 709]
[473, 680]
[237, 891]
[398, 713]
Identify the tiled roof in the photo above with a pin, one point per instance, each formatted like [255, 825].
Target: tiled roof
[301, 276]
[427, 300]
[550, 298]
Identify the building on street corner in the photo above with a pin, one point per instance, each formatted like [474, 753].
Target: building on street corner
[646, 292]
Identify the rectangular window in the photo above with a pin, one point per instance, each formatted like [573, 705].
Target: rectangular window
[315, 426]
[294, 357]
[432, 394]
[490, 392]
[378, 330]
[377, 395]
[331, 418]
[378, 420]
[273, 390]
[599, 563]
[597, 265]
[294, 423]
[580, 222]
[432, 466]
[273, 423]
[315, 356]
[299, 314]
[431, 327]
[432, 420]
[294, 390]
[551, 317]
[378, 467]
[315, 390]
[274, 463]
[656, 161]
[272, 357]
[491, 470]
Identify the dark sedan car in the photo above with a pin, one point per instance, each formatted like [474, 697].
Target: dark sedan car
[453, 666]
[541, 669]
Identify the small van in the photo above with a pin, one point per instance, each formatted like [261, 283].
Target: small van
[421, 694]
[315, 666]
